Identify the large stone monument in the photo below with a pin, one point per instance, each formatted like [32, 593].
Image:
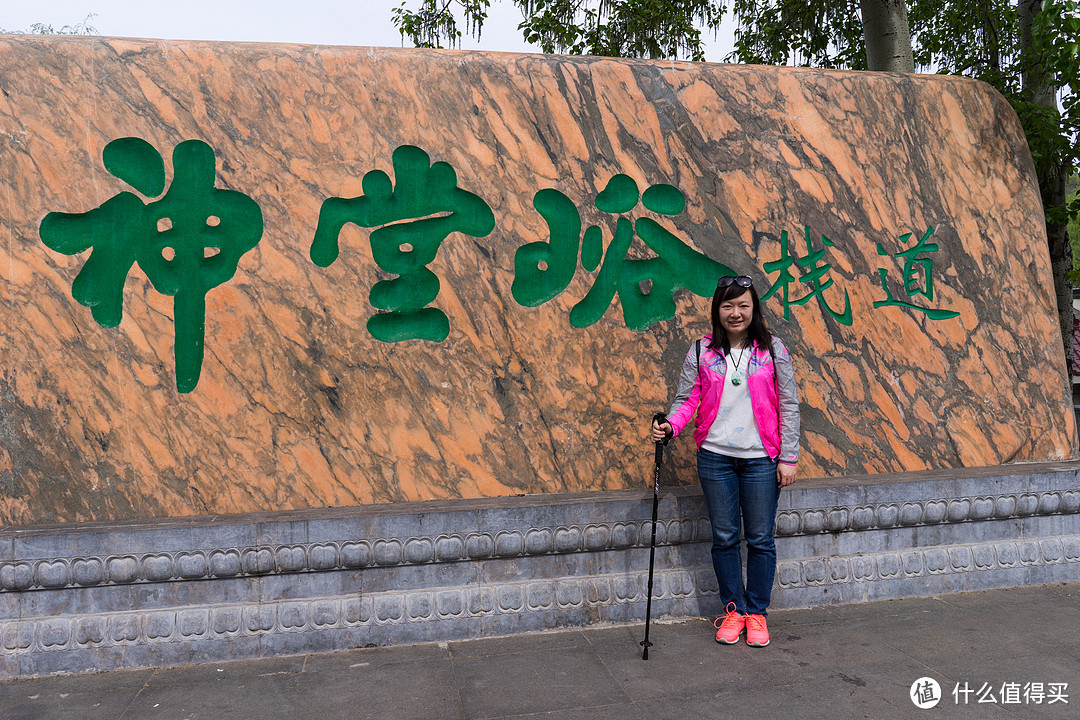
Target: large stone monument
[308, 287]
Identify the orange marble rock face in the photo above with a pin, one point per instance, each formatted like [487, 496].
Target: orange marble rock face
[297, 403]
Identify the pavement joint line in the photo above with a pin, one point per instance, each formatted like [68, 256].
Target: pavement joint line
[506, 653]
[135, 697]
[457, 683]
[553, 713]
[299, 677]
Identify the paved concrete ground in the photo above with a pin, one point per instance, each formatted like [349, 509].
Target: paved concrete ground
[854, 661]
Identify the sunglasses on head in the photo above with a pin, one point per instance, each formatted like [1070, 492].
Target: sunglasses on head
[742, 281]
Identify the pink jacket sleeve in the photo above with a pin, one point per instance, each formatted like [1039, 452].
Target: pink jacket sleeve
[688, 394]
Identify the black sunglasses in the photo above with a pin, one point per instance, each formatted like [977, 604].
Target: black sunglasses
[742, 281]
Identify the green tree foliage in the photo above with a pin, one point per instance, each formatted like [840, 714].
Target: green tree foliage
[82, 28]
[1053, 135]
[812, 33]
[619, 28]
[435, 22]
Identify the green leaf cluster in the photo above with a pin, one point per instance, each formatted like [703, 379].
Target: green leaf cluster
[809, 33]
[1052, 134]
[436, 21]
[82, 28]
[1074, 230]
[614, 28]
[620, 28]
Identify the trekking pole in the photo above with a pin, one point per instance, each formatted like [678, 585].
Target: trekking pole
[659, 417]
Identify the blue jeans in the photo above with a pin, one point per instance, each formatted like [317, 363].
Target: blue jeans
[741, 489]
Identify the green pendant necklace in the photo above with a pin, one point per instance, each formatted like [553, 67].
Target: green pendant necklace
[737, 377]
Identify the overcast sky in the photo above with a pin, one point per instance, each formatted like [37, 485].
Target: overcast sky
[323, 22]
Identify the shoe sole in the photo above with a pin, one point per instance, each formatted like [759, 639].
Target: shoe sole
[757, 644]
[729, 642]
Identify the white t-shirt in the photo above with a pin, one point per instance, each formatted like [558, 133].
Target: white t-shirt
[734, 432]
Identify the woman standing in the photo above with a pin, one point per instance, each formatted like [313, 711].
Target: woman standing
[740, 381]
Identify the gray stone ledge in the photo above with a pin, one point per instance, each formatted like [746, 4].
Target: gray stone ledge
[690, 524]
[927, 561]
[1061, 474]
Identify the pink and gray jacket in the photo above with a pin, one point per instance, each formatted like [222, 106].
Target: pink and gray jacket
[774, 396]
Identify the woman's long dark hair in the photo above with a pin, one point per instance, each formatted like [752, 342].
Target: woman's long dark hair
[758, 329]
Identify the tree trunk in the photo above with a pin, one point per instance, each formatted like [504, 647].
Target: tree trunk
[1039, 88]
[887, 35]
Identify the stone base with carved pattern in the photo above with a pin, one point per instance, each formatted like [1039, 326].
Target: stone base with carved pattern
[183, 590]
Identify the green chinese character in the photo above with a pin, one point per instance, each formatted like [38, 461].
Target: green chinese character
[645, 287]
[187, 243]
[812, 277]
[427, 196]
[915, 268]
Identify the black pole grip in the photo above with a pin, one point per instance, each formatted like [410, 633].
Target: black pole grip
[660, 418]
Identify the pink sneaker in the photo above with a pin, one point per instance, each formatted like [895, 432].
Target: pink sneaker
[757, 632]
[731, 627]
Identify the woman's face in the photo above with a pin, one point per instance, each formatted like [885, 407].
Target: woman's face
[736, 313]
